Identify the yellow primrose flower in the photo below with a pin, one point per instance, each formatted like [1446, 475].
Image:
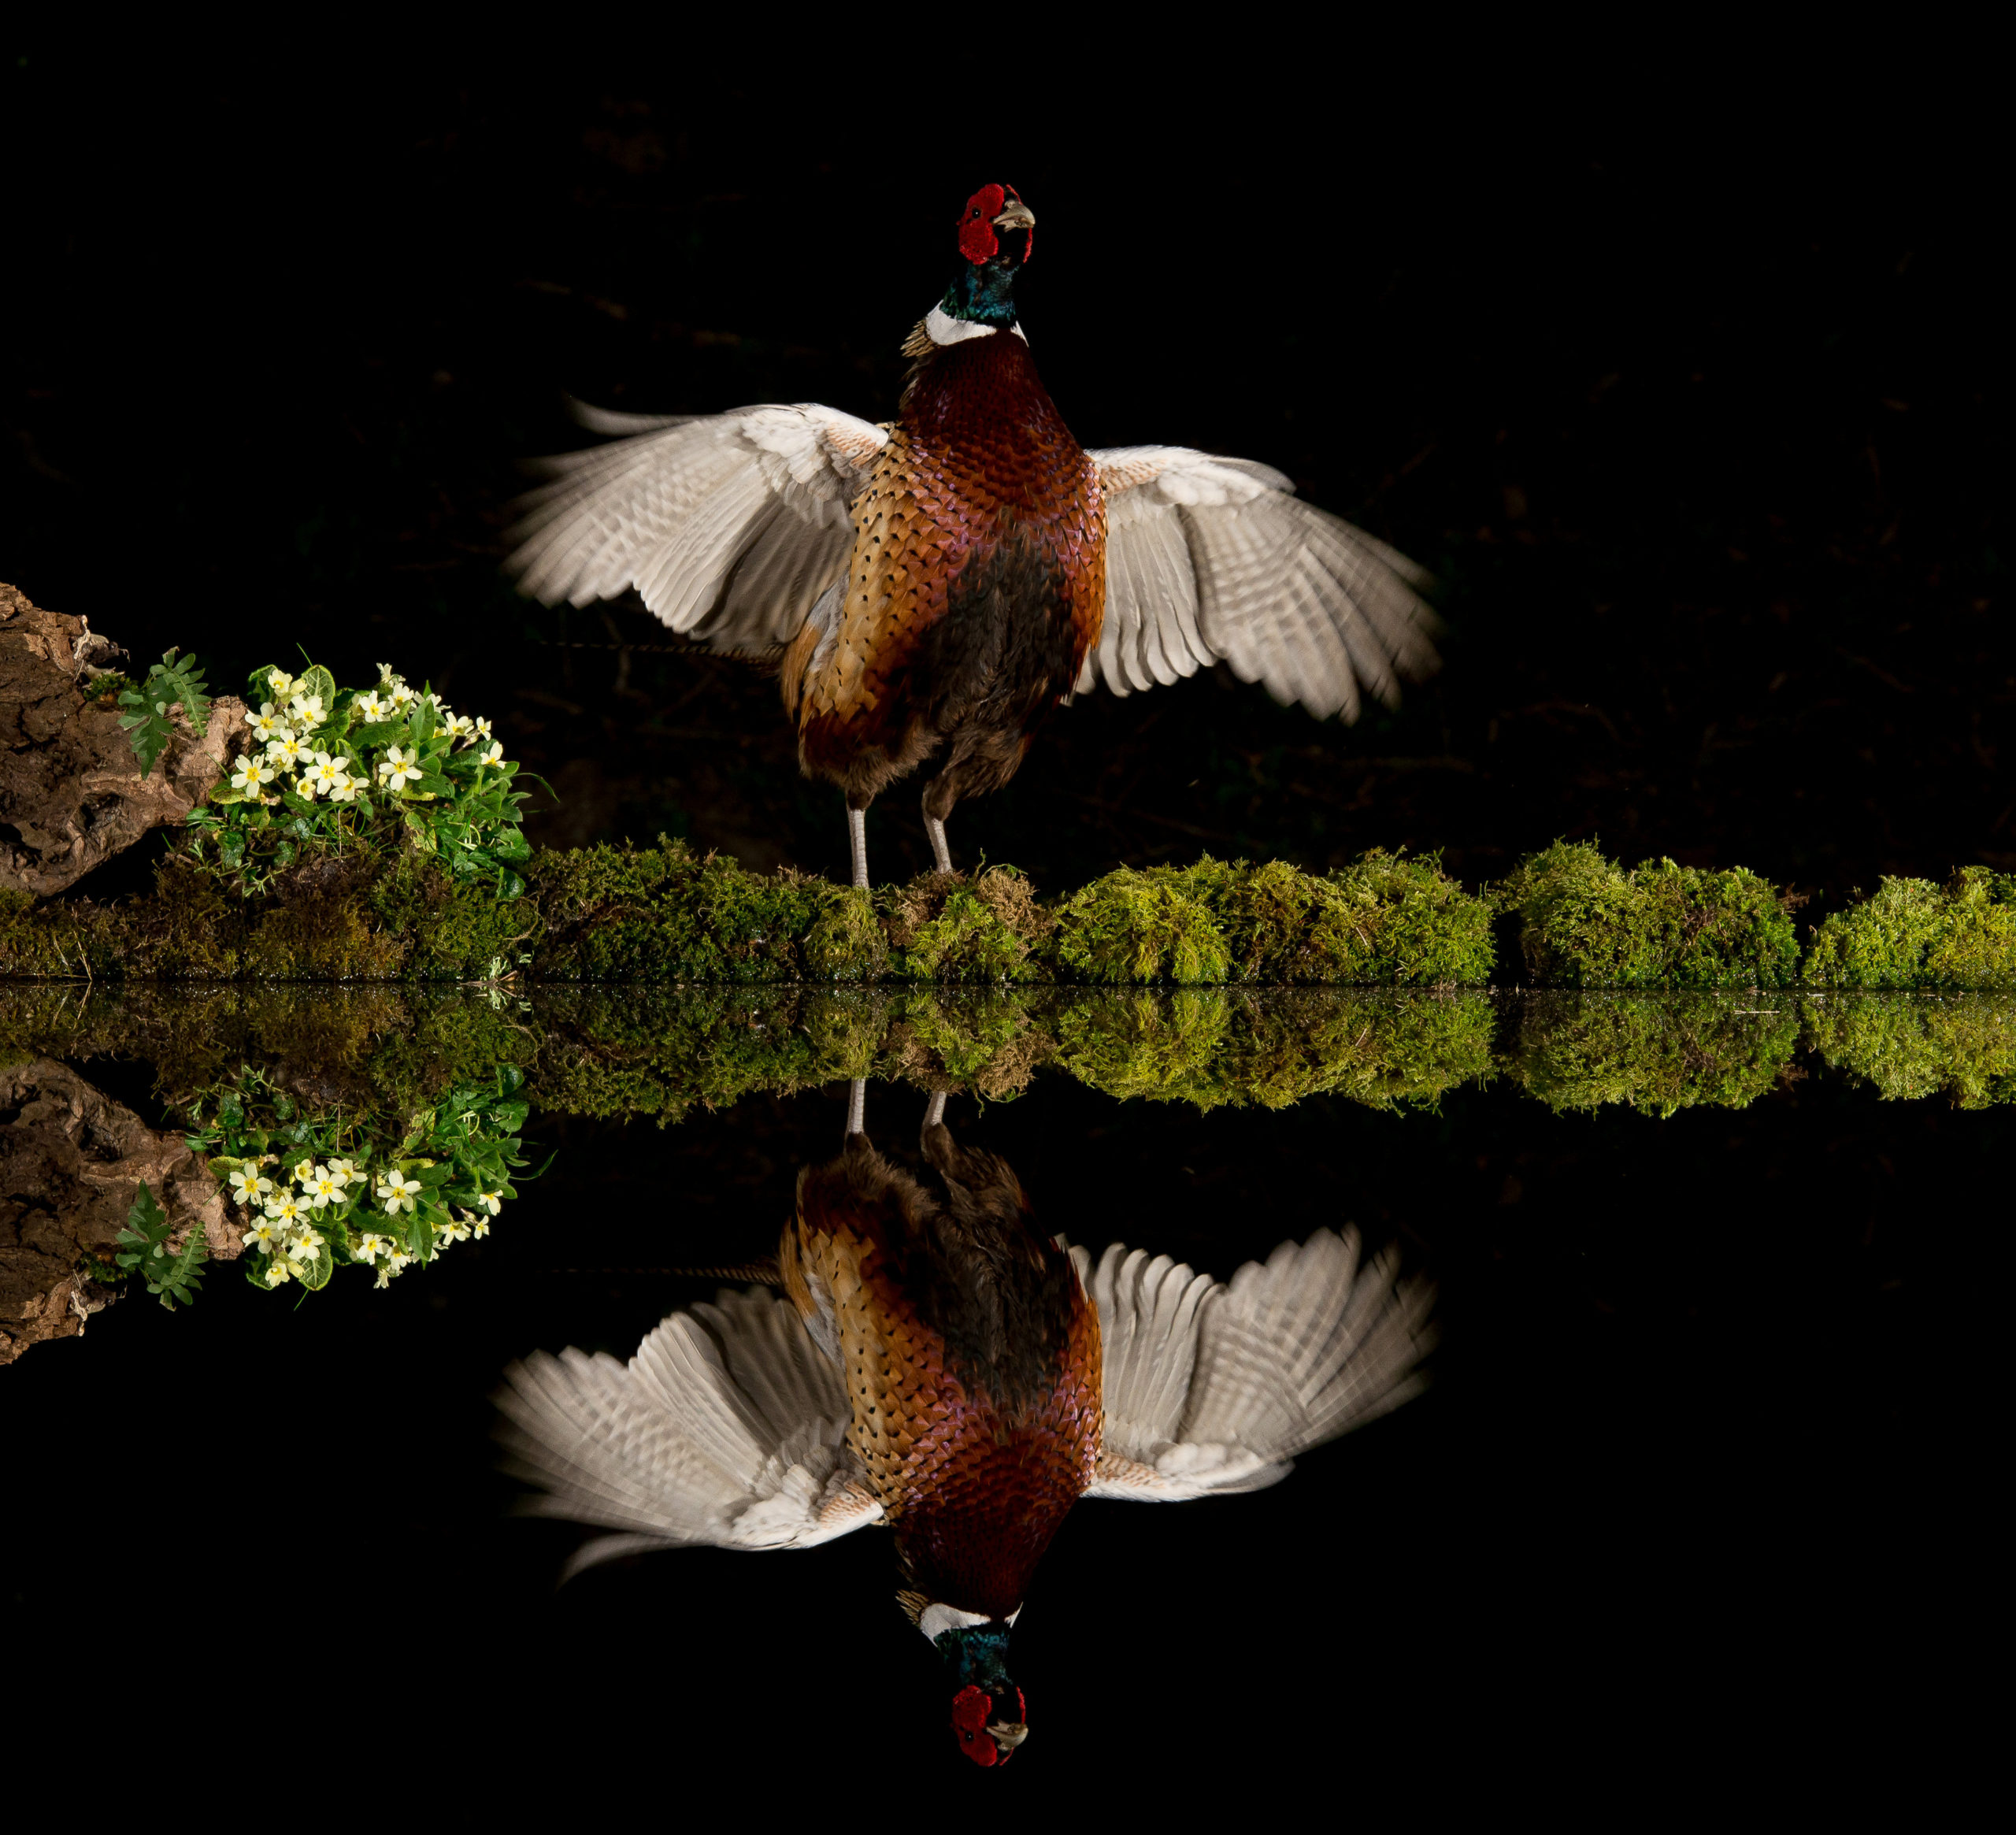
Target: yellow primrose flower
[325, 774]
[267, 724]
[399, 768]
[324, 1189]
[281, 683]
[397, 1191]
[250, 774]
[246, 1184]
[307, 709]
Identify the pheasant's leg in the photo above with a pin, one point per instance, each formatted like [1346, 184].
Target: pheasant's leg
[938, 797]
[857, 1105]
[858, 843]
[934, 1114]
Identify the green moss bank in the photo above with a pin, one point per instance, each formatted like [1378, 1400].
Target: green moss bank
[666, 915]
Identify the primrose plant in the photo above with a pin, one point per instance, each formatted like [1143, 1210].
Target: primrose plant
[335, 770]
[316, 1194]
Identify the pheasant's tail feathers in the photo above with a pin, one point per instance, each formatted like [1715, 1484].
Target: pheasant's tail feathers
[1307, 1346]
[727, 1427]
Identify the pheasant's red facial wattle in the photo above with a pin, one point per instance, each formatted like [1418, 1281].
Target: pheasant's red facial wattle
[977, 241]
[972, 1708]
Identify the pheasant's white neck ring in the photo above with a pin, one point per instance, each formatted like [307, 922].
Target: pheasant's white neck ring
[936, 1619]
[941, 328]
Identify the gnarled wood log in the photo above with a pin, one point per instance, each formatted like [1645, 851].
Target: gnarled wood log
[72, 1161]
[71, 791]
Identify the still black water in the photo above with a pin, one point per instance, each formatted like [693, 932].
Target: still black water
[1661, 1487]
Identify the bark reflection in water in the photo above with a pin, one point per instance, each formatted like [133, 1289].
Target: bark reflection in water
[937, 1364]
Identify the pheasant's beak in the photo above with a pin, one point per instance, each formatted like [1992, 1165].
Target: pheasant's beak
[1017, 215]
[1007, 1735]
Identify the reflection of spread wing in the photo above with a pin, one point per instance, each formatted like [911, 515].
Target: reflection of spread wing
[1209, 558]
[728, 1427]
[730, 526]
[1214, 1388]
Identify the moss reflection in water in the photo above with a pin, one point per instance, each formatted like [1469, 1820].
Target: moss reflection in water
[1659, 1056]
[1909, 1047]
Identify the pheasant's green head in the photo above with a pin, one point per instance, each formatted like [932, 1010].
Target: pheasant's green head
[989, 1719]
[996, 231]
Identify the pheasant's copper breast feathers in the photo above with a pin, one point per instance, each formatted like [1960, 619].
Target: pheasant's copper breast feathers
[971, 1362]
[1211, 559]
[981, 510]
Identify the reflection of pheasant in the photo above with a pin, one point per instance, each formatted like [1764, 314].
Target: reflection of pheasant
[940, 1365]
[943, 579]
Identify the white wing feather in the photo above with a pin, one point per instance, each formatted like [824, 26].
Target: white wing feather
[728, 1427]
[1211, 1388]
[1215, 559]
[729, 526]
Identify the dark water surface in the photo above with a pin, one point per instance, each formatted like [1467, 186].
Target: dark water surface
[1684, 1366]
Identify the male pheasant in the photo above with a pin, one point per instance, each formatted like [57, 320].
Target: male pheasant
[937, 1364]
[940, 582]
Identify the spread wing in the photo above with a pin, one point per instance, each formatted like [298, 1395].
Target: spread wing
[729, 526]
[1212, 1389]
[1215, 559]
[728, 1427]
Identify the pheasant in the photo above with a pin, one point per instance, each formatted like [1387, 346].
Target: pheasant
[937, 584]
[937, 1364]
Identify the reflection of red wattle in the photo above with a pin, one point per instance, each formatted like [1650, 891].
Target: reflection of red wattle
[970, 1709]
[977, 241]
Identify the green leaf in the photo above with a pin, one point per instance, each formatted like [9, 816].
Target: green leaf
[147, 728]
[314, 1275]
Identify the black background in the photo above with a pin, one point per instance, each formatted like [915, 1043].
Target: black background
[1680, 366]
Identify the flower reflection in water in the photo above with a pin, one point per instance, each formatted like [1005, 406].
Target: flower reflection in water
[937, 1364]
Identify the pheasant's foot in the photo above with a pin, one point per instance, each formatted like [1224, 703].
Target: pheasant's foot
[940, 852]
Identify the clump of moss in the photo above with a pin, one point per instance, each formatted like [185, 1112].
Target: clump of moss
[666, 914]
[1912, 1046]
[946, 928]
[1136, 925]
[846, 942]
[1390, 921]
[1911, 933]
[1586, 922]
[1384, 921]
[1659, 1056]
